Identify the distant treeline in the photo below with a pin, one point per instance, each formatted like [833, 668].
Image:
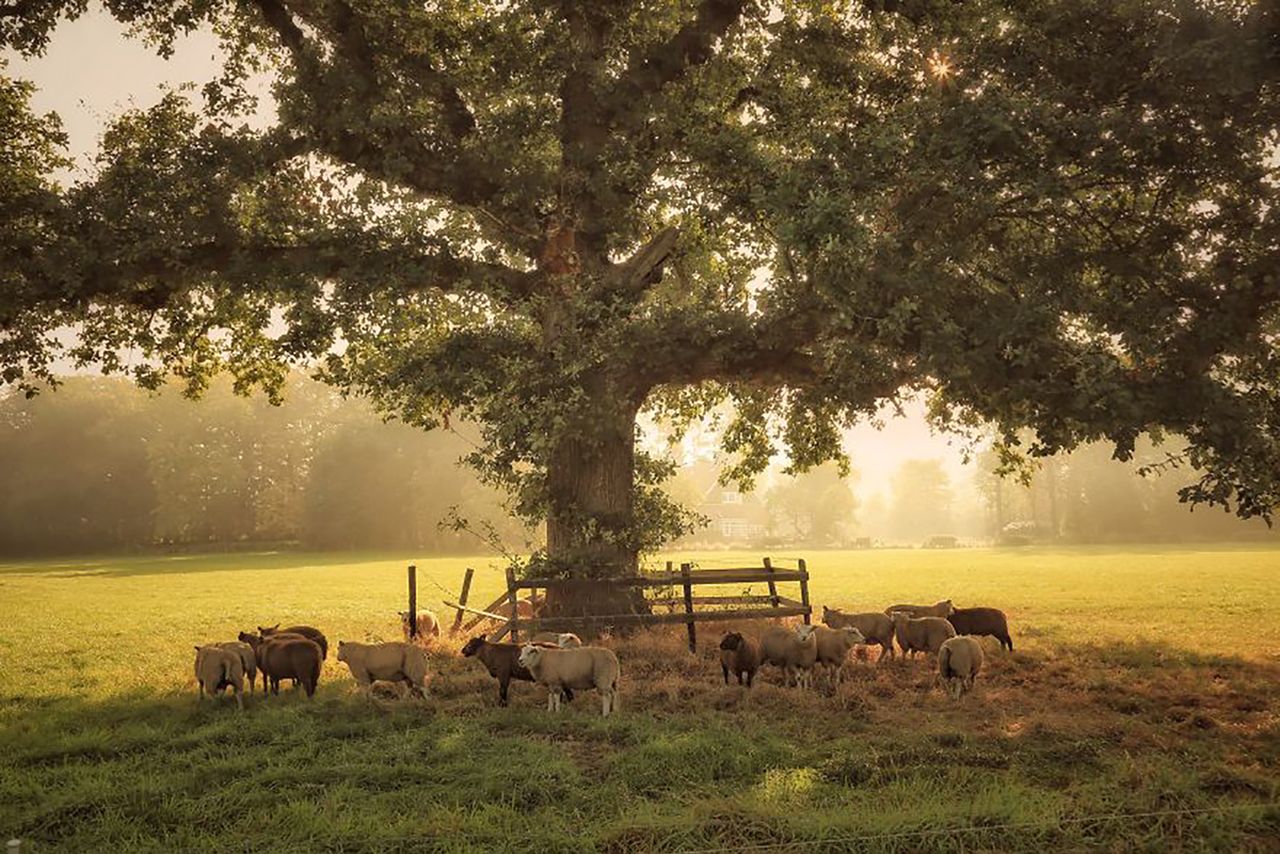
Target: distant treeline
[100, 465]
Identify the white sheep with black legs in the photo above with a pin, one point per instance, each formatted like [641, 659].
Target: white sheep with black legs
[581, 668]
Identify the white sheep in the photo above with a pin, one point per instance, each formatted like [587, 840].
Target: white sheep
[581, 668]
[834, 646]
[959, 662]
[926, 634]
[247, 658]
[386, 662]
[564, 640]
[793, 650]
[217, 669]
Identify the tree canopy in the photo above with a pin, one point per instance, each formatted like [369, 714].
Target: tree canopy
[544, 216]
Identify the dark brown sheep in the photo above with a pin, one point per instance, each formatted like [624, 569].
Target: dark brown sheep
[291, 658]
[982, 621]
[255, 641]
[503, 663]
[739, 655]
[308, 632]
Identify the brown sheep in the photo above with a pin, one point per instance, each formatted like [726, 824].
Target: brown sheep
[941, 609]
[959, 662]
[982, 621]
[739, 655]
[875, 628]
[291, 658]
[428, 625]
[925, 634]
[502, 660]
[256, 641]
[217, 669]
[311, 634]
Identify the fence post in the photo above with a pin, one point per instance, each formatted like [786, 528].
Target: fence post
[773, 585]
[462, 600]
[804, 593]
[413, 601]
[688, 607]
[513, 601]
[14, 846]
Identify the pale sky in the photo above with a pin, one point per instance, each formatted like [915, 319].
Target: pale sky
[92, 72]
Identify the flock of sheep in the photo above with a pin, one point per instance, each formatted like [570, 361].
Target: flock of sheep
[562, 663]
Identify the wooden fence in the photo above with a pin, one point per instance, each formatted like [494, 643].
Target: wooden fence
[679, 600]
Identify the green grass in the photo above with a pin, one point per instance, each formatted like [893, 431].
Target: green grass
[1146, 682]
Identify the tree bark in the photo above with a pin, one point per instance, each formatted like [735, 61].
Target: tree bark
[591, 480]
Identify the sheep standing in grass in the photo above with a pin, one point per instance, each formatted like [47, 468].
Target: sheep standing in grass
[309, 632]
[217, 669]
[564, 640]
[255, 643]
[502, 660]
[925, 634]
[793, 650]
[585, 667]
[295, 658]
[876, 628]
[959, 662]
[941, 609]
[739, 655]
[982, 621]
[386, 662]
[247, 658]
[428, 625]
[833, 648]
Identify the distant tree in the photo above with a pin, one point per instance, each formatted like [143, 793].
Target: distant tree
[921, 500]
[74, 472]
[1059, 215]
[815, 507]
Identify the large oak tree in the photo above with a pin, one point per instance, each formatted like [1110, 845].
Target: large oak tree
[547, 215]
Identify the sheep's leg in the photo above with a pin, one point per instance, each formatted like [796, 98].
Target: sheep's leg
[502, 691]
[239, 699]
[199, 691]
[725, 670]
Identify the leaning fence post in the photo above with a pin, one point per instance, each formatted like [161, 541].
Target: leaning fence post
[773, 585]
[513, 601]
[462, 600]
[688, 607]
[413, 601]
[804, 593]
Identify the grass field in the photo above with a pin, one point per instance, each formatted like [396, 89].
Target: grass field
[1139, 711]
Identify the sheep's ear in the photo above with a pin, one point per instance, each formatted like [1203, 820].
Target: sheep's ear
[484, 637]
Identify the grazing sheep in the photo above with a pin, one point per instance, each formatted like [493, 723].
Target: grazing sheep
[793, 650]
[527, 607]
[564, 640]
[247, 658]
[739, 655]
[218, 668]
[502, 660]
[941, 609]
[925, 634]
[584, 667]
[875, 628]
[428, 625]
[959, 662]
[291, 658]
[834, 646]
[311, 634]
[982, 621]
[386, 662]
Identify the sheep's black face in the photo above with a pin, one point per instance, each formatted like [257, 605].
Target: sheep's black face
[731, 641]
[245, 637]
[473, 646]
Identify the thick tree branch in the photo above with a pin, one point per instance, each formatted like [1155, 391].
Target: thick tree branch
[692, 45]
[644, 268]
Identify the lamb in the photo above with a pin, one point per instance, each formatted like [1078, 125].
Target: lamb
[387, 662]
[793, 650]
[311, 634]
[925, 634]
[739, 655]
[982, 621]
[875, 628]
[247, 658]
[959, 662]
[502, 660]
[834, 646]
[218, 668]
[585, 667]
[564, 640]
[428, 625]
[295, 658]
[941, 609]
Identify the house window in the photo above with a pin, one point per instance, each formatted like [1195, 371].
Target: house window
[734, 528]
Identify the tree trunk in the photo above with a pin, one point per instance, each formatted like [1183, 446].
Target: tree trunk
[591, 480]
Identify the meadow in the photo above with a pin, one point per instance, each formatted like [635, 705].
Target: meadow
[1139, 711]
